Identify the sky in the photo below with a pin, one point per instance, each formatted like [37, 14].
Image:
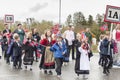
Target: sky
[49, 9]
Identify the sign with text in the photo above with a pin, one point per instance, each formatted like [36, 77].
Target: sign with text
[9, 18]
[112, 14]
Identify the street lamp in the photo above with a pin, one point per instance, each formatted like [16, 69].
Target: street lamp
[59, 12]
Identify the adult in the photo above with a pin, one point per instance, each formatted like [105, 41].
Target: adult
[70, 36]
[116, 37]
[20, 32]
[6, 39]
[89, 36]
[47, 60]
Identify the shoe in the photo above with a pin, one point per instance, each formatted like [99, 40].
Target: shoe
[8, 63]
[58, 76]
[36, 60]
[108, 71]
[50, 73]
[19, 68]
[73, 58]
[14, 67]
[25, 67]
[45, 71]
[30, 69]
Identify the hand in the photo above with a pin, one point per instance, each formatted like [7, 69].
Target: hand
[47, 47]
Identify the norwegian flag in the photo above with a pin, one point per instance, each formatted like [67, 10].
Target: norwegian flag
[55, 29]
[104, 27]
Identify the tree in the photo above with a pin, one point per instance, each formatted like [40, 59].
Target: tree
[79, 19]
[90, 20]
[69, 20]
[100, 19]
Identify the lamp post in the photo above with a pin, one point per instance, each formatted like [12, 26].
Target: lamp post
[59, 13]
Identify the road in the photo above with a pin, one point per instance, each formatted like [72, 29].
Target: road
[8, 73]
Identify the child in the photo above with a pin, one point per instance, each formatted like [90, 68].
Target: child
[17, 52]
[59, 49]
[101, 39]
[106, 53]
[82, 65]
[29, 50]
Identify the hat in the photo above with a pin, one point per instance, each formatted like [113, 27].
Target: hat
[59, 35]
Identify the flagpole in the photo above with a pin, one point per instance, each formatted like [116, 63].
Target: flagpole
[111, 31]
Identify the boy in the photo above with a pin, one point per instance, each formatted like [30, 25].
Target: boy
[17, 52]
[59, 49]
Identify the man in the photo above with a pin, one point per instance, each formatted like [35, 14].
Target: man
[6, 39]
[70, 36]
[6, 30]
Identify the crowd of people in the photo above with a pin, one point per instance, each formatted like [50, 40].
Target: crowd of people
[108, 48]
[23, 47]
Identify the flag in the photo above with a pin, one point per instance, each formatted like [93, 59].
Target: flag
[104, 27]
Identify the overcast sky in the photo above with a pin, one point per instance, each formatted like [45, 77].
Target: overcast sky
[49, 9]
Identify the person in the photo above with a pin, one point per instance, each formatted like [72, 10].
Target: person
[89, 36]
[66, 56]
[59, 49]
[99, 43]
[82, 65]
[28, 49]
[35, 35]
[47, 60]
[17, 52]
[36, 38]
[69, 35]
[116, 37]
[20, 32]
[6, 38]
[73, 43]
[77, 42]
[106, 54]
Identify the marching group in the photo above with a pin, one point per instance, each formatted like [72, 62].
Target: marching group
[26, 46]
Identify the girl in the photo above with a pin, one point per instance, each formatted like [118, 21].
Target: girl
[47, 59]
[29, 49]
[82, 65]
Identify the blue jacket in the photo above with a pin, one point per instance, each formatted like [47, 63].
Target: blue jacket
[59, 51]
[104, 47]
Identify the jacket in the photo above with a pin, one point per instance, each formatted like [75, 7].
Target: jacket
[17, 49]
[59, 51]
[106, 47]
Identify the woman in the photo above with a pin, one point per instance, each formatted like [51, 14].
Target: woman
[116, 37]
[29, 48]
[47, 59]
[20, 32]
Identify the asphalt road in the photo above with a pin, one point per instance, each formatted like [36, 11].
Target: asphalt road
[8, 73]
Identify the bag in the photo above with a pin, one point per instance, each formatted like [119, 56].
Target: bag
[90, 54]
[10, 48]
[65, 58]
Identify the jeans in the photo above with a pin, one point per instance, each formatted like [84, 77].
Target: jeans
[59, 62]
